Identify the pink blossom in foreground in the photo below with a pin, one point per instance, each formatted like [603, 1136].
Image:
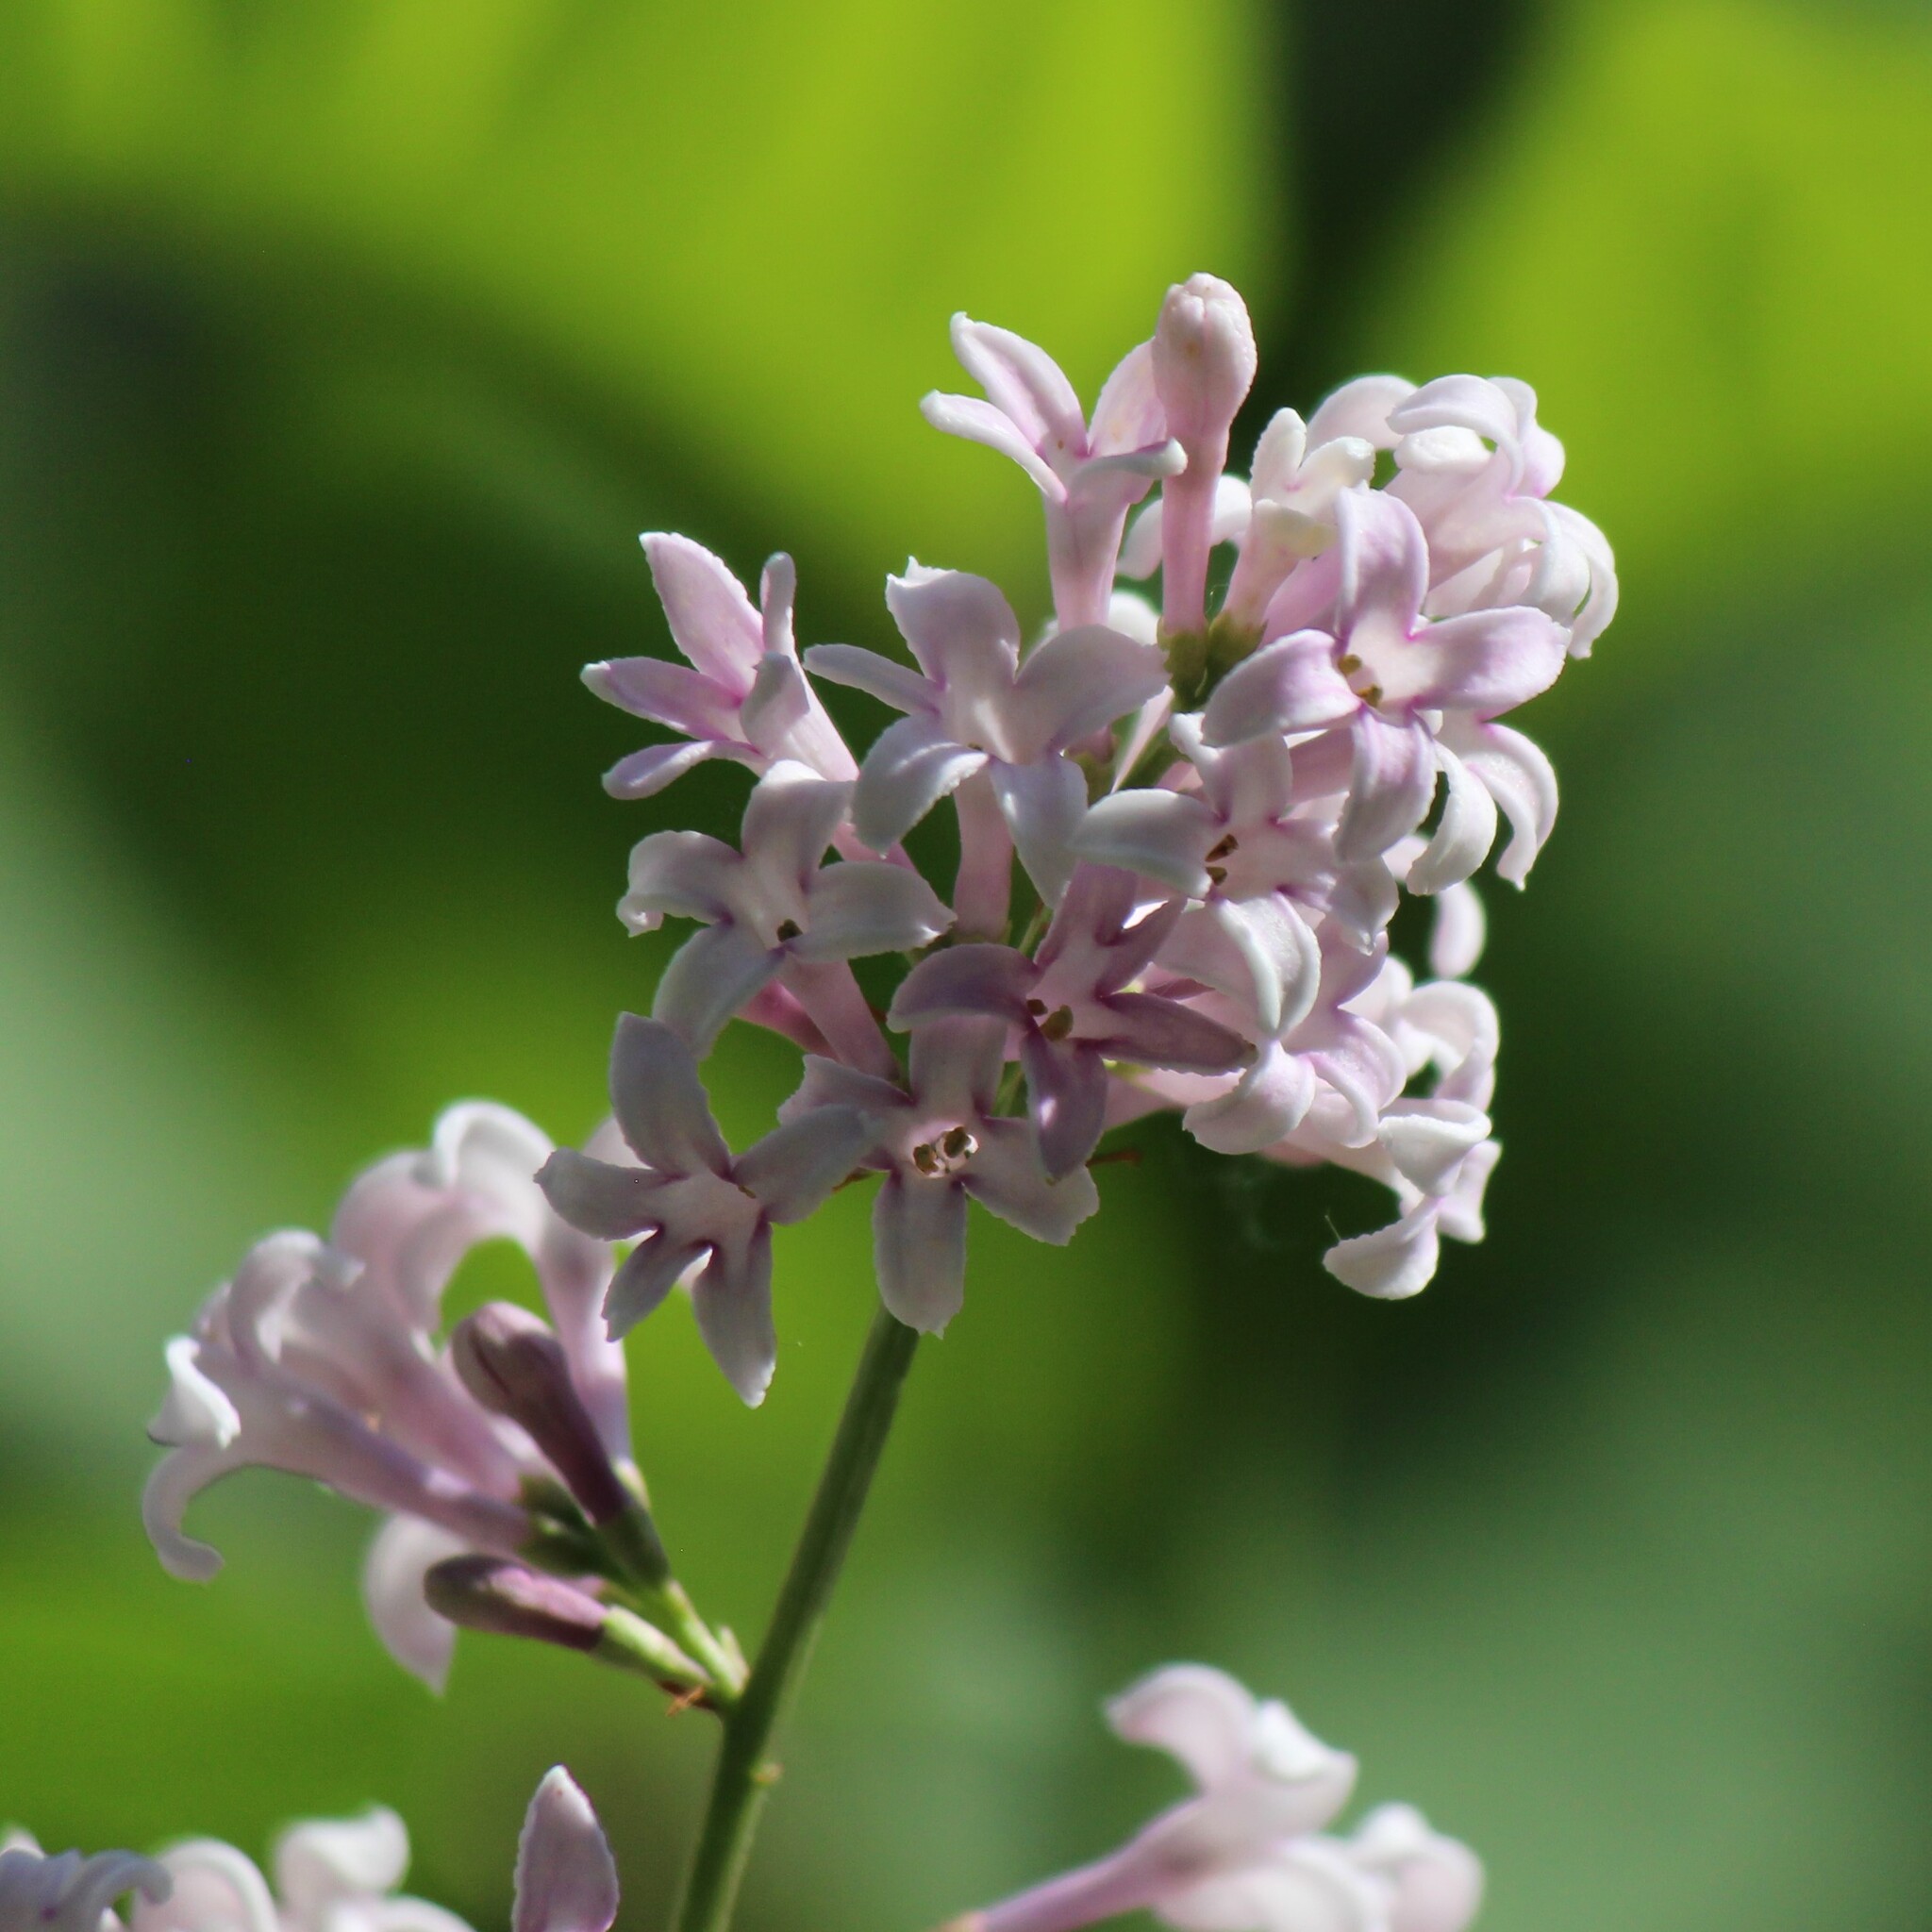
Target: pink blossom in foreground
[1089, 477]
[323, 1359]
[1247, 1853]
[773, 909]
[706, 1213]
[741, 695]
[977, 716]
[938, 1142]
[330, 1875]
[1073, 1006]
[1350, 645]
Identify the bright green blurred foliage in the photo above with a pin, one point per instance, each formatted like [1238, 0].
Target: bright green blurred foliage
[344, 349]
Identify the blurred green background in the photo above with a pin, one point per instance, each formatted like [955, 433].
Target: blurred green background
[345, 347]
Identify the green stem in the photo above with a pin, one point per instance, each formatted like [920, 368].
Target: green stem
[744, 1776]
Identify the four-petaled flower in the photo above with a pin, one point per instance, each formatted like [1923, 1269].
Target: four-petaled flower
[1074, 1008]
[937, 1141]
[743, 696]
[773, 908]
[704, 1211]
[1089, 476]
[1350, 645]
[974, 708]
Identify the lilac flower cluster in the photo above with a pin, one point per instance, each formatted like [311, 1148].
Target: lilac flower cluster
[1214, 813]
[1183, 834]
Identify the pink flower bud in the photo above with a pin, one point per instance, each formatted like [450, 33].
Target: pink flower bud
[515, 1367]
[494, 1595]
[1204, 363]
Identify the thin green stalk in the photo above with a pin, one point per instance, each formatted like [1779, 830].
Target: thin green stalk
[744, 1775]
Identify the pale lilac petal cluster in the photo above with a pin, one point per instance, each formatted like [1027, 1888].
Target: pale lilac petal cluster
[1250, 1850]
[1214, 812]
[740, 695]
[705, 1214]
[329, 1875]
[324, 1357]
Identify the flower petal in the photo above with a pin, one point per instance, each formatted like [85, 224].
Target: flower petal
[1394, 779]
[637, 1289]
[897, 685]
[1291, 685]
[911, 767]
[1268, 1103]
[1196, 1714]
[732, 1300]
[1438, 1881]
[659, 1100]
[789, 823]
[1427, 1139]
[1155, 1032]
[648, 771]
[1128, 415]
[1463, 838]
[1361, 409]
[708, 979]
[709, 615]
[612, 1202]
[1078, 680]
[918, 1249]
[865, 905]
[1005, 1177]
[1042, 804]
[961, 629]
[1519, 778]
[673, 695]
[1066, 1095]
[1023, 380]
[1163, 835]
[326, 1861]
[1487, 662]
[979, 977]
[566, 1877]
[403, 1551]
[1393, 1263]
[1456, 938]
[795, 1166]
[982, 421]
[685, 874]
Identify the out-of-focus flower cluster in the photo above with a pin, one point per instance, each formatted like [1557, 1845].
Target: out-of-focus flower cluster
[1249, 1850]
[330, 1875]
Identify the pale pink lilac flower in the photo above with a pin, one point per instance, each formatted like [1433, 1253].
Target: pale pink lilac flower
[1350, 646]
[322, 1358]
[774, 909]
[1088, 478]
[979, 718]
[742, 697]
[938, 1143]
[330, 1875]
[1318, 1085]
[1247, 1853]
[706, 1213]
[1074, 1007]
[1203, 366]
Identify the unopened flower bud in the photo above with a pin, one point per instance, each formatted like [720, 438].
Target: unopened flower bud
[1204, 363]
[493, 1593]
[515, 1367]
[509, 1599]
